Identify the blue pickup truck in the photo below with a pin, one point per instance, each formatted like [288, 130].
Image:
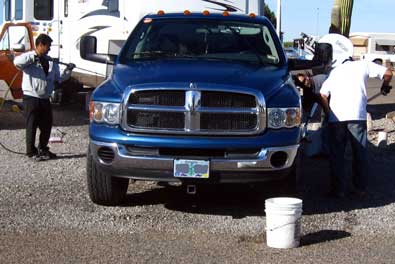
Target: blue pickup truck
[193, 98]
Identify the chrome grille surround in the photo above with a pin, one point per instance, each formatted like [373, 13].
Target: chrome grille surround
[193, 109]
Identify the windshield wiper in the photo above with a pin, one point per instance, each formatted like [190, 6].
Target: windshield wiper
[153, 54]
[159, 54]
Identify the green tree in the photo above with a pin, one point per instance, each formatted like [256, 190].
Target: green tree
[341, 17]
[270, 15]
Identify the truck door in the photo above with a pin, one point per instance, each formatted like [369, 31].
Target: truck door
[14, 39]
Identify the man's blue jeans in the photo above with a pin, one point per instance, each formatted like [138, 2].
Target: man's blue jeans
[339, 134]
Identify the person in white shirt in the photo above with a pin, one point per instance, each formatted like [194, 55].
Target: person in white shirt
[346, 110]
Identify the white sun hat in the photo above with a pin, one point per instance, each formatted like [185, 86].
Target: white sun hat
[342, 47]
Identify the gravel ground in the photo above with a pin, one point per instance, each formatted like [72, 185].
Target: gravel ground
[46, 215]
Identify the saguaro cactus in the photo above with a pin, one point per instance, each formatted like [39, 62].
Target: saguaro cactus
[341, 17]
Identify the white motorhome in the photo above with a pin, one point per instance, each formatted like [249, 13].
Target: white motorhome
[111, 21]
[377, 47]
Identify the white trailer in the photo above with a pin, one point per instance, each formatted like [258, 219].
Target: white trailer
[377, 47]
[111, 21]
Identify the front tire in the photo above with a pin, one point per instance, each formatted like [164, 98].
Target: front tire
[103, 188]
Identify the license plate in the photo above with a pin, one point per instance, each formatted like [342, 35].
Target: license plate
[191, 168]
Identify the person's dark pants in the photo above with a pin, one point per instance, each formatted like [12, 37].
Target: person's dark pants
[339, 134]
[38, 114]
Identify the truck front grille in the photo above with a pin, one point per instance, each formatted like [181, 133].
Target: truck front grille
[155, 120]
[168, 98]
[194, 111]
[232, 122]
[222, 99]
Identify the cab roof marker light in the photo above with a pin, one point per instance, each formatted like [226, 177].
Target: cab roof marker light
[161, 13]
[206, 13]
[187, 12]
[252, 15]
[225, 13]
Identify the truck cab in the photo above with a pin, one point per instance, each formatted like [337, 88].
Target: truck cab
[193, 98]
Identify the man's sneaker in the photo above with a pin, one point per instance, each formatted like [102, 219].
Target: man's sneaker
[37, 158]
[46, 155]
[32, 154]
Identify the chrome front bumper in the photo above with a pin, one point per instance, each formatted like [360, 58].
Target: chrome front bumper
[160, 168]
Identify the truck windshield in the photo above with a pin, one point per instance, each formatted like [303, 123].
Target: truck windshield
[202, 39]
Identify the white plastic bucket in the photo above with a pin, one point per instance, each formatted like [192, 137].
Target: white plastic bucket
[283, 222]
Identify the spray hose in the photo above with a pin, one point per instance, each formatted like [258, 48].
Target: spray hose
[55, 140]
[8, 90]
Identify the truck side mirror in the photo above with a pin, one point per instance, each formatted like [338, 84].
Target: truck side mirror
[323, 53]
[323, 56]
[18, 47]
[320, 63]
[88, 47]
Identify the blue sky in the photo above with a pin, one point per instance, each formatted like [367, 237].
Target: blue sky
[313, 16]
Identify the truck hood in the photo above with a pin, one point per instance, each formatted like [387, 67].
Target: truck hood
[267, 79]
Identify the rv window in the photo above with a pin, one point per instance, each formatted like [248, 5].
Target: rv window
[43, 9]
[19, 9]
[112, 5]
[7, 10]
[385, 48]
[66, 8]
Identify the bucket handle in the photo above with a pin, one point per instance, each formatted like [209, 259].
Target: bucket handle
[277, 227]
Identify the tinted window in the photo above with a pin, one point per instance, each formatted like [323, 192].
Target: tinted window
[18, 9]
[43, 9]
[66, 8]
[202, 39]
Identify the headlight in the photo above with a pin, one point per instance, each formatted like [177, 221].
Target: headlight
[102, 112]
[284, 117]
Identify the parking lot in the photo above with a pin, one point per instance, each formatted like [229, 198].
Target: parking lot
[46, 215]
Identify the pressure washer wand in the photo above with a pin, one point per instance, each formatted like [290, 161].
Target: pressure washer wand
[66, 64]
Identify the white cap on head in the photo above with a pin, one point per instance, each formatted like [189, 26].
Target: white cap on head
[343, 48]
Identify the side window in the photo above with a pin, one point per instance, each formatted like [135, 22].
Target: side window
[43, 9]
[273, 55]
[15, 38]
[19, 9]
[5, 41]
[7, 10]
